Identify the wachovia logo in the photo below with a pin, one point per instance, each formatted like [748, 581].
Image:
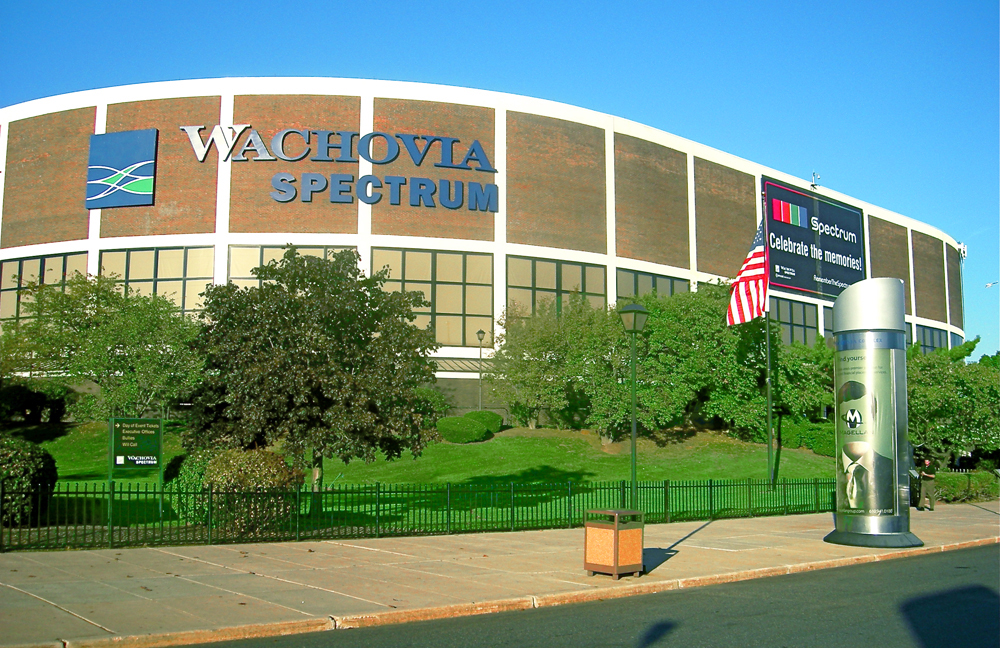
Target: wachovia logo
[122, 169]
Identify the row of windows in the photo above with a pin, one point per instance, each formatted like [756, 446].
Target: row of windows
[457, 285]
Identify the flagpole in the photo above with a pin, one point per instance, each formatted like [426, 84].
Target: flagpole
[770, 428]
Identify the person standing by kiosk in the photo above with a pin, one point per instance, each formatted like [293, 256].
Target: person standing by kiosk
[927, 473]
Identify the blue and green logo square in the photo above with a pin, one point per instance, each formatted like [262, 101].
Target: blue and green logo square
[122, 169]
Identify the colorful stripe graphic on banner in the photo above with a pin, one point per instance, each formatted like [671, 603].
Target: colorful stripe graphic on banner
[789, 213]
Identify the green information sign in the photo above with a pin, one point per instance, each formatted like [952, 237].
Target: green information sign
[136, 447]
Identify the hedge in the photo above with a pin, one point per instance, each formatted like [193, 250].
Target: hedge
[491, 420]
[26, 469]
[966, 487]
[461, 429]
[818, 437]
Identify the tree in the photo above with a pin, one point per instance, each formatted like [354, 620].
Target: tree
[135, 348]
[953, 406]
[318, 356]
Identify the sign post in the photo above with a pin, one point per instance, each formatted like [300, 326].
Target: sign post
[872, 448]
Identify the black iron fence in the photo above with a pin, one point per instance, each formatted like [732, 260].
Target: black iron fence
[129, 514]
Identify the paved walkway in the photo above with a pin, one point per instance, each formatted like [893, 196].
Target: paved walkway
[180, 595]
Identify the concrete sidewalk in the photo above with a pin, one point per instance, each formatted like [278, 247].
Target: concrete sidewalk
[180, 595]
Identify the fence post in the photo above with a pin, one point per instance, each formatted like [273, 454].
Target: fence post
[210, 512]
[512, 506]
[711, 499]
[749, 497]
[569, 505]
[784, 494]
[621, 490]
[448, 508]
[666, 501]
[378, 509]
[111, 504]
[816, 491]
[298, 510]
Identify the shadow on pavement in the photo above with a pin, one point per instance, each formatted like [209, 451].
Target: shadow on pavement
[655, 633]
[653, 557]
[966, 616]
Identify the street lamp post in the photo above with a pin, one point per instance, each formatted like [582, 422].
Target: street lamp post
[634, 320]
[480, 334]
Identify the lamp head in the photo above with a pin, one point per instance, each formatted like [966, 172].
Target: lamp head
[633, 317]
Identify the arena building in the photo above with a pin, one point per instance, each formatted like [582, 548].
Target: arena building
[479, 199]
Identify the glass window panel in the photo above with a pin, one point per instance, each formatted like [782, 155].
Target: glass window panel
[113, 263]
[244, 283]
[449, 267]
[645, 284]
[273, 254]
[596, 301]
[595, 279]
[798, 313]
[810, 336]
[172, 290]
[811, 316]
[572, 278]
[545, 274]
[519, 299]
[11, 273]
[474, 324]
[391, 258]
[30, 269]
[141, 288]
[418, 266]
[53, 270]
[201, 263]
[422, 321]
[193, 299]
[242, 261]
[311, 251]
[479, 268]
[392, 286]
[479, 300]
[8, 304]
[786, 334]
[448, 299]
[956, 340]
[626, 283]
[448, 330]
[425, 289]
[140, 264]
[76, 263]
[518, 272]
[680, 286]
[784, 306]
[170, 264]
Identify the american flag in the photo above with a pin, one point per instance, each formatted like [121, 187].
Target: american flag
[749, 297]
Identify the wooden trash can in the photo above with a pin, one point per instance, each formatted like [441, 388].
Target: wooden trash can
[613, 542]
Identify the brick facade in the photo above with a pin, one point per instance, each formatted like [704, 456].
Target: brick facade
[890, 253]
[651, 202]
[955, 286]
[45, 182]
[726, 211]
[928, 277]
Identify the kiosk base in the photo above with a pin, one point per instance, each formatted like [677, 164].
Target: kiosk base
[881, 540]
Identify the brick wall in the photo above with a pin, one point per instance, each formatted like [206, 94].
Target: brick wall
[955, 286]
[726, 211]
[651, 202]
[928, 277]
[45, 182]
[251, 207]
[556, 189]
[184, 192]
[890, 253]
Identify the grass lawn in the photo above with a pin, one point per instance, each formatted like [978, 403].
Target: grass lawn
[518, 455]
[522, 455]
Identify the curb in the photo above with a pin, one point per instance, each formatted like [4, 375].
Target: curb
[485, 607]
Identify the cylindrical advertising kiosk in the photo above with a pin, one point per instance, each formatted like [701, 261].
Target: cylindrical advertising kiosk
[872, 449]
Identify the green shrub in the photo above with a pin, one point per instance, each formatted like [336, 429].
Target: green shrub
[818, 437]
[491, 420]
[966, 487]
[461, 429]
[29, 475]
[186, 476]
[431, 404]
[253, 490]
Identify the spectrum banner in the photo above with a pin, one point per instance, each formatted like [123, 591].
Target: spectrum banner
[815, 245]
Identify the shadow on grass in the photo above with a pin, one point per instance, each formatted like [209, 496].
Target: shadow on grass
[675, 436]
[533, 475]
[41, 433]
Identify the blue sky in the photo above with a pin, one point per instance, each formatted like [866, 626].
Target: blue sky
[894, 103]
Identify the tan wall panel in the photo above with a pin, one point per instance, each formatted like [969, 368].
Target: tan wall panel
[251, 207]
[184, 192]
[467, 123]
[556, 189]
[955, 287]
[651, 202]
[45, 182]
[890, 253]
[928, 277]
[726, 210]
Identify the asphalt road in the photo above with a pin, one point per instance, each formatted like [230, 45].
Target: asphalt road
[942, 599]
